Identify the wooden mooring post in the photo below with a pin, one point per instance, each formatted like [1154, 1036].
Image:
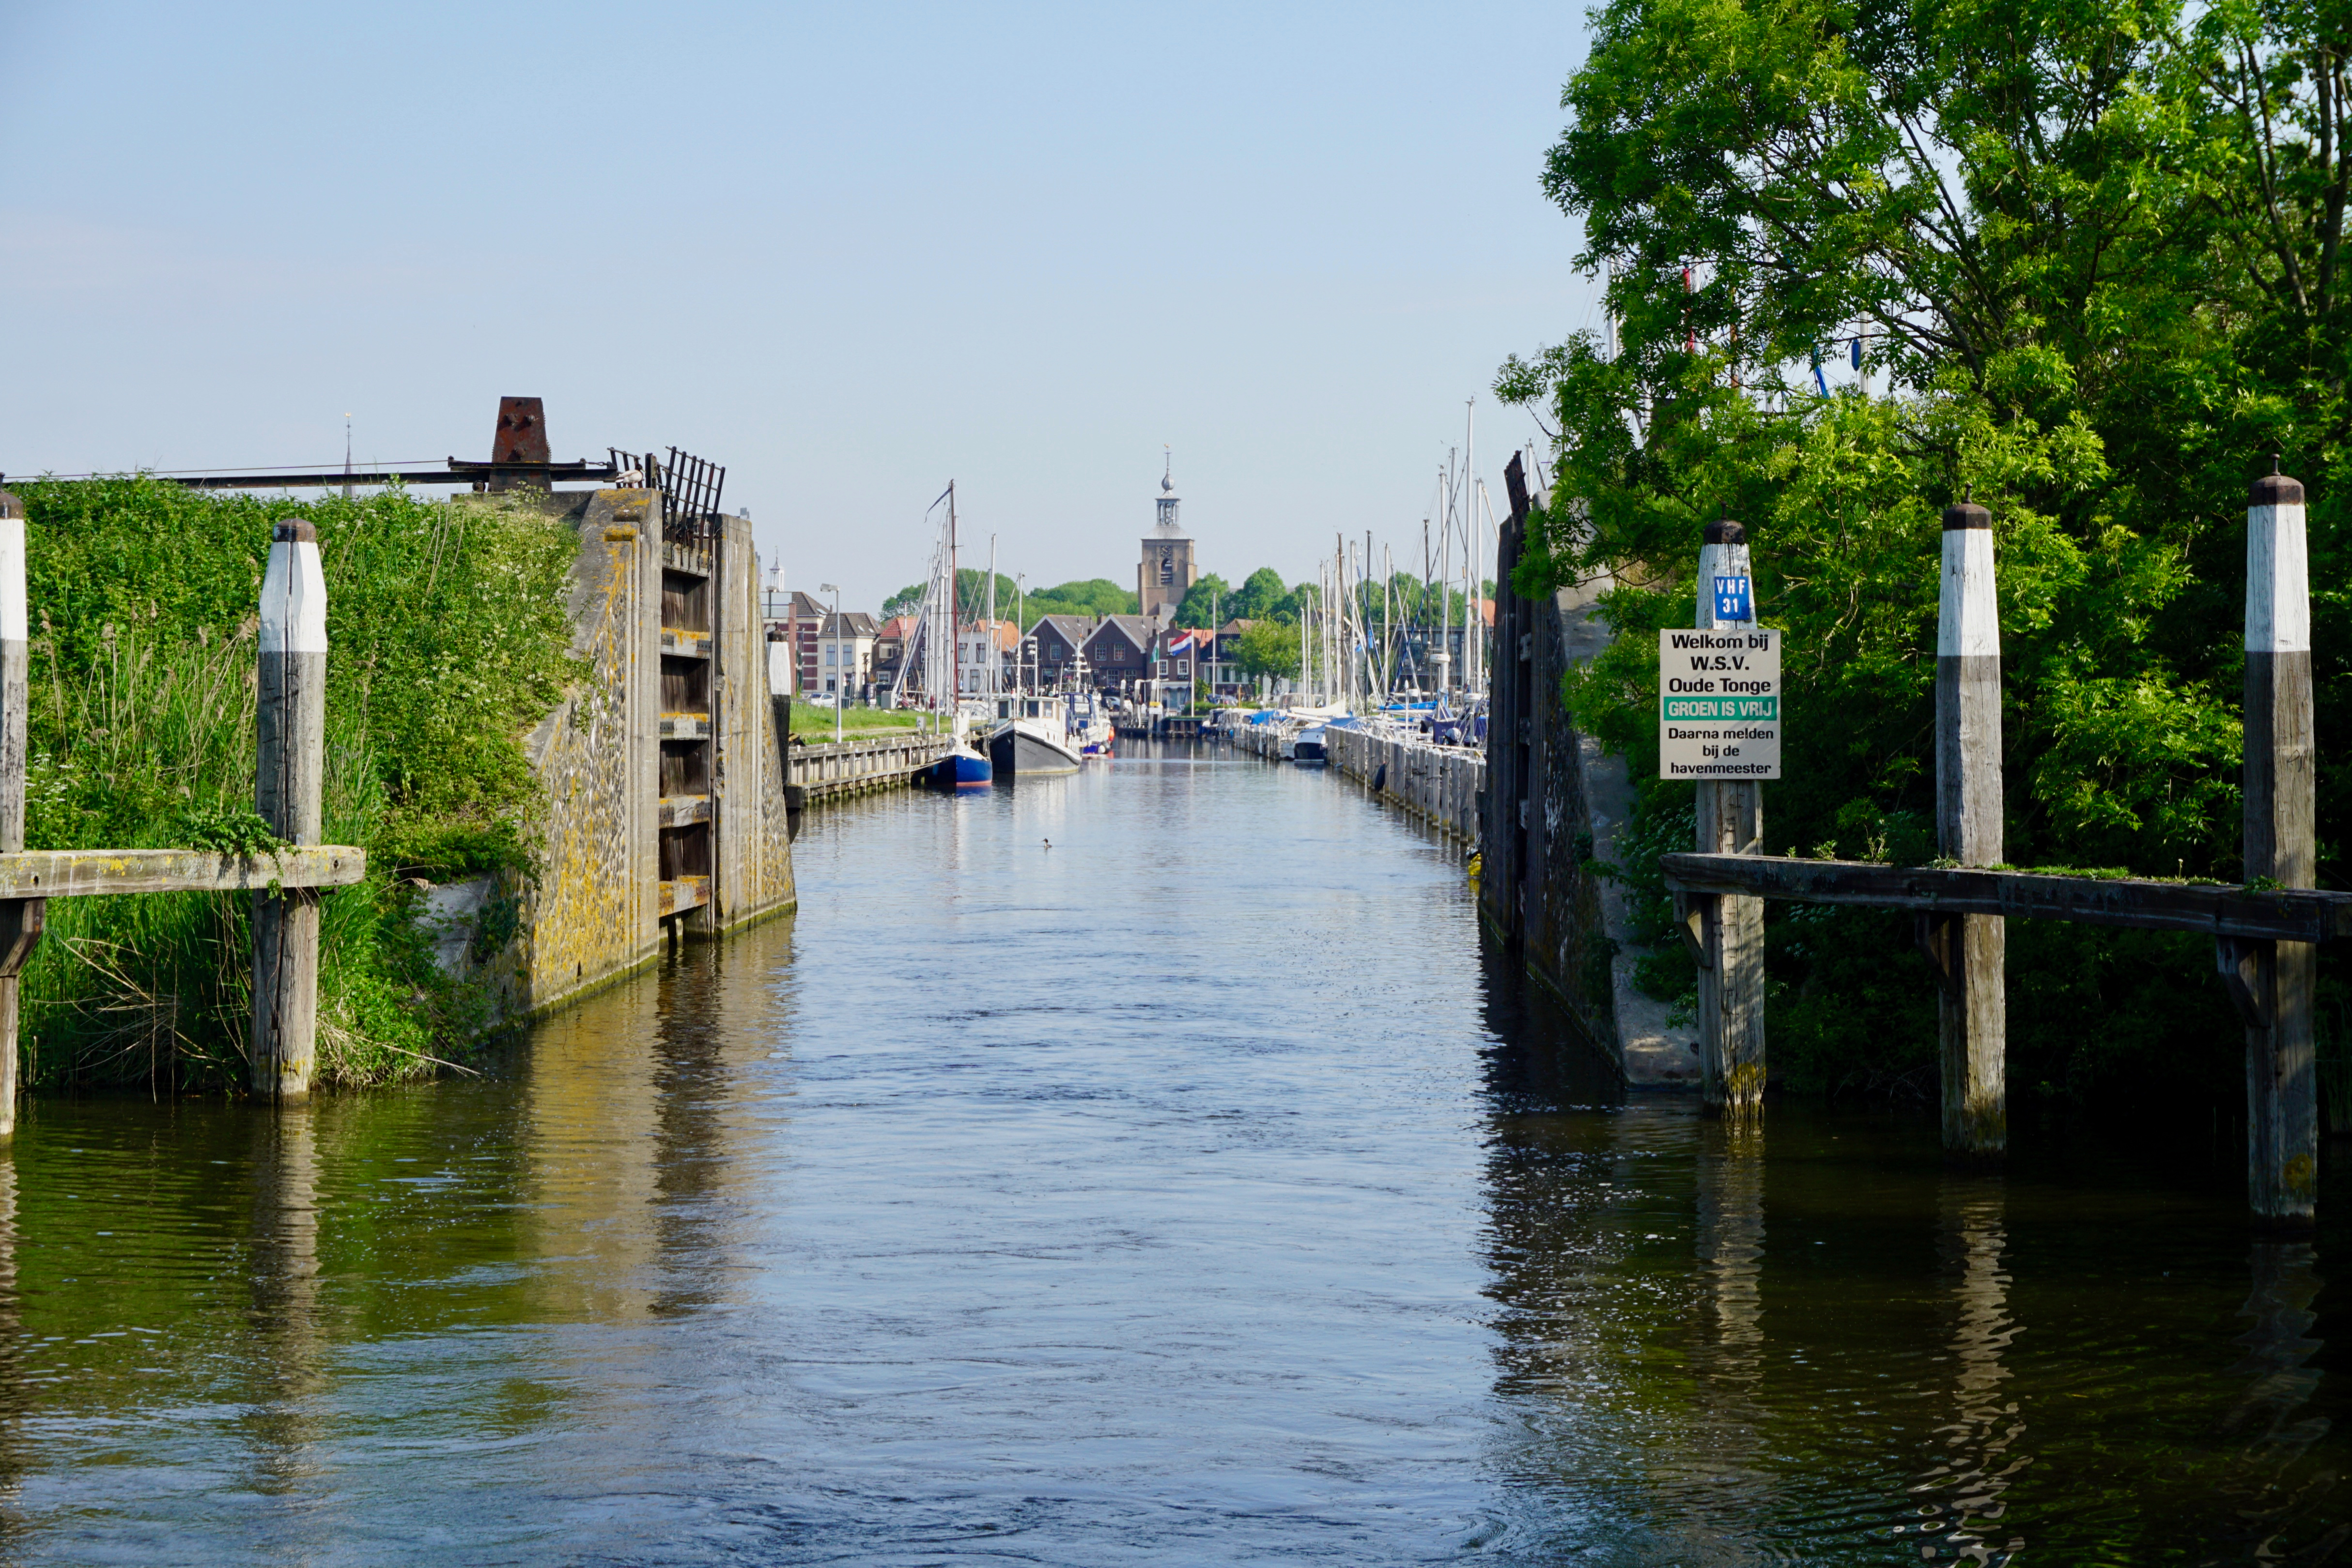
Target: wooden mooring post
[1729, 938]
[289, 792]
[20, 918]
[2267, 933]
[284, 884]
[2272, 982]
[1968, 951]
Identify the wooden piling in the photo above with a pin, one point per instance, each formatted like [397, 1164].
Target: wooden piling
[1969, 951]
[21, 916]
[288, 794]
[1730, 928]
[2272, 982]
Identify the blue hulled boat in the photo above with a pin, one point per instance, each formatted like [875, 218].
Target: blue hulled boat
[960, 769]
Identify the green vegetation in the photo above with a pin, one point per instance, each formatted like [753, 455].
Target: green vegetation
[1261, 596]
[2095, 253]
[1271, 649]
[449, 641]
[1207, 603]
[1096, 596]
[812, 723]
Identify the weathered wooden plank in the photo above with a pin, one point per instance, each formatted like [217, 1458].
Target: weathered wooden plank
[2294, 914]
[681, 810]
[71, 873]
[680, 645]
[683, 893]
[684, 727]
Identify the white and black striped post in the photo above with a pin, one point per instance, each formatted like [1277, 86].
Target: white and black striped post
[1970, 952]
[2272, 982]
[20, 918]
[288, 794]
[1730, 938]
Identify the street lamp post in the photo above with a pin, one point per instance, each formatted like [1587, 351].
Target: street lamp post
[829, 587]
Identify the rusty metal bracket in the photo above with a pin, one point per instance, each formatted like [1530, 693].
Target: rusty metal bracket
[2249, 968]
[1693, 912]
[1938, 937]
[20, 933]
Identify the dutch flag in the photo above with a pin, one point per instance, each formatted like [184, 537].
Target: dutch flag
[1179, 643]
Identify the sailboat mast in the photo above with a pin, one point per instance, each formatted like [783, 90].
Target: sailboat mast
[1471, 618]
[992, 616]
[1445, 580]
[955, 624]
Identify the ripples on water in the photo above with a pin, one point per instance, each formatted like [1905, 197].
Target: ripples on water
[1187, 1192]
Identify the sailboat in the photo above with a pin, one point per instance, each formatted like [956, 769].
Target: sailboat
[937, 635]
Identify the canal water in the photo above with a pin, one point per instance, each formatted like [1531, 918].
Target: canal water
[1139, 1168]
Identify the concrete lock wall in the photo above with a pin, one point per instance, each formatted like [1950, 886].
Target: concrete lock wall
[596, 908]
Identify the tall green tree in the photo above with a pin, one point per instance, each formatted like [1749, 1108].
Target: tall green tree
[1258, 596]
[1208, 602]
[1269, 648]
[2091, 257]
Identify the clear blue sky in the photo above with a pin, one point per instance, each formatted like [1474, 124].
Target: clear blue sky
[851, 252]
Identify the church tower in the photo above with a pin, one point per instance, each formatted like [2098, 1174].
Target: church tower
[1167, 572]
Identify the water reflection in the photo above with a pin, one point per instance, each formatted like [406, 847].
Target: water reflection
[15, 1451]
[2272, 1423]
[285, 1346]
[1729, 1248]
[1821, 1345]
[1960, 1497]
[1190, 1193]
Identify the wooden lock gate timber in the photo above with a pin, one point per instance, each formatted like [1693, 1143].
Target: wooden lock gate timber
[2266, 934]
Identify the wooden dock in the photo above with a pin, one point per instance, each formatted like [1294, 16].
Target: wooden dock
[833, 771]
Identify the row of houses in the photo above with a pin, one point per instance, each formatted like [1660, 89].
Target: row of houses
[858, 656]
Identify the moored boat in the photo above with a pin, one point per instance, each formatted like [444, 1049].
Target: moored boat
[1033, 744]
[963, 766]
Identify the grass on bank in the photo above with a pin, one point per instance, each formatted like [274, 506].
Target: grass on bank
[448, 641]
[814, 724]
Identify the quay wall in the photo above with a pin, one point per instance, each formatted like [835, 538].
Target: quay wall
[603, 902]
[1439, 784]
[1554, 808]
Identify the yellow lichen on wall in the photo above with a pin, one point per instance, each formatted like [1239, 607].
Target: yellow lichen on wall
[584, 917]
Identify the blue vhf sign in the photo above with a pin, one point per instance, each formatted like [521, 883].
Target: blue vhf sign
[1732, 600]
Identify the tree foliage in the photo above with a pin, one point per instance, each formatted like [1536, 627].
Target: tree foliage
[1269, 648]
[1208, 602]
[1096, 596]
[2090, 256]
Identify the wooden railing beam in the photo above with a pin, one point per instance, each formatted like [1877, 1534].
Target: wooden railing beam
[2281, 914]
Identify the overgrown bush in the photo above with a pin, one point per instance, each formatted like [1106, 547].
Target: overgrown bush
[448, 640]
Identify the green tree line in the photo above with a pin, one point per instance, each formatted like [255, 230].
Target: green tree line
[2090, 256]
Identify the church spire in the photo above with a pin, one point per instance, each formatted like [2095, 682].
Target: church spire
[1167, 518]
